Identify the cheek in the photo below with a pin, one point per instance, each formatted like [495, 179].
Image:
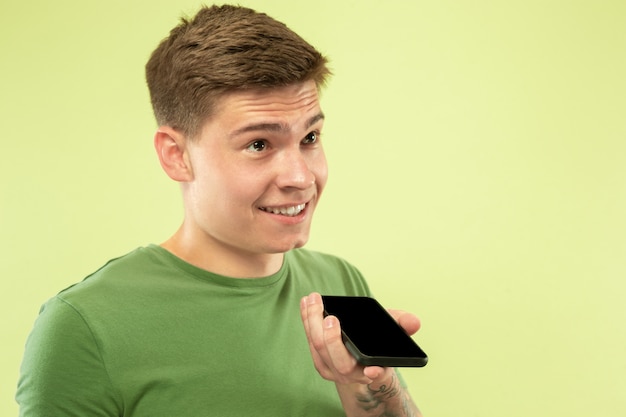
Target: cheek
[237, 186]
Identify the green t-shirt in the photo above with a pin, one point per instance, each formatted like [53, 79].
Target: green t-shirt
[150, 335]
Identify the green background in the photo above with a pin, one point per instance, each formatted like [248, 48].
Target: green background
[478, 178]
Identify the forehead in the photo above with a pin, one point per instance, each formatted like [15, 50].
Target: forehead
[292, 101]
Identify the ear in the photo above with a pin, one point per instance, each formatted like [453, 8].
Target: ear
[171, 147]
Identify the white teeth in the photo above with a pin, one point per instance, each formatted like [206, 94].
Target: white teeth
[286, 211]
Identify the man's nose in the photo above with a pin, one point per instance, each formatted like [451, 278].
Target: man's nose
[294, 170]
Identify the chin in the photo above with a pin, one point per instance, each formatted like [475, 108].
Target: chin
[290, 245]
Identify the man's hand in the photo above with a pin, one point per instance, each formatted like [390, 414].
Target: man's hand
[363, 390]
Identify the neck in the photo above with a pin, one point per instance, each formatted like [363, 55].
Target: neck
[221, 259]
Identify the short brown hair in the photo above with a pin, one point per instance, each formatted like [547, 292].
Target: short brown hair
[223, 49]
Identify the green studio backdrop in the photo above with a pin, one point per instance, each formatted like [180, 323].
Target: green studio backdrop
[477, 156]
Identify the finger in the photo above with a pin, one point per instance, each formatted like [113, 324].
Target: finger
[304, 316]
[409, 322]
[312, 318]
[344, 365]
[377, 373]
[333, 360]
[324, 370]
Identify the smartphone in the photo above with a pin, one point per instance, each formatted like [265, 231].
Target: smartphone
[371, 334]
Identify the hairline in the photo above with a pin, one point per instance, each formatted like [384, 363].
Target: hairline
[219, 97]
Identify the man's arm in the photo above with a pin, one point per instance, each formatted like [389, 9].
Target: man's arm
[378, 399]
[364, 391]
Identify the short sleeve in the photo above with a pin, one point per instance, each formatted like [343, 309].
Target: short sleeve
[62, 373]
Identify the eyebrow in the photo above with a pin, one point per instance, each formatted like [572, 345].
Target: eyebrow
[274, 127]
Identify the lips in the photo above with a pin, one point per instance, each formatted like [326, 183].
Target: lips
[289, 211]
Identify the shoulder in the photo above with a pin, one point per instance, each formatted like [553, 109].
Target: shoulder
[114, 272]
[117, 283]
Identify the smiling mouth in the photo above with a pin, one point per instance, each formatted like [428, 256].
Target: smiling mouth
[285, 211]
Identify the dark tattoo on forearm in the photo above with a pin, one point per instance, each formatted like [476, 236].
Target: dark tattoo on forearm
[384, 392]
[376, 400]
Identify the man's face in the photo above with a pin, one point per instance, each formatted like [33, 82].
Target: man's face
[258, 171]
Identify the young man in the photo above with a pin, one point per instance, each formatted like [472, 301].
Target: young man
[207, 323]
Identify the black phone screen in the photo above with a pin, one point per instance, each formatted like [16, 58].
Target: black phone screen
[371, 334]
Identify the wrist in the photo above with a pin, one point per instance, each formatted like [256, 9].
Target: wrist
[381, 391]
[381, 396]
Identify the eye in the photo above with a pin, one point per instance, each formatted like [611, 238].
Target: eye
[257, 146]
[310, 138]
